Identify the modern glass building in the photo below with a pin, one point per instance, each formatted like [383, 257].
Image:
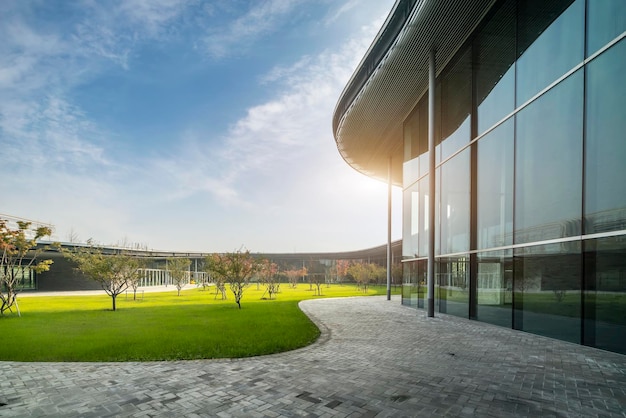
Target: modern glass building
[528, 115]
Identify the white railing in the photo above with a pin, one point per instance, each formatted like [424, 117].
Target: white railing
[161, 277]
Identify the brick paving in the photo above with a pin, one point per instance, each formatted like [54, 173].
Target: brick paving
[375, 358]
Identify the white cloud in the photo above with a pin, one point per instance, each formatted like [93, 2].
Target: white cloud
[262, 18]
[274, 181]
[152, 15]
[278, 167]
[343, 9]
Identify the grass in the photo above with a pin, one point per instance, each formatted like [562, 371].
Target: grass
[161, 326]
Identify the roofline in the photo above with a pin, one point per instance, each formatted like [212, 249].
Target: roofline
[369, 115]
[108, 249]
[381, 44]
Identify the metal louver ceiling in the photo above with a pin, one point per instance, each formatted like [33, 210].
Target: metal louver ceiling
[369, 130]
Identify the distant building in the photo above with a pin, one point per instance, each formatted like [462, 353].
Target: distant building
[529, 111]
[63, 275]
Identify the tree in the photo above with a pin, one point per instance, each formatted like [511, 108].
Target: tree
[293, 275]
[203, 278]
[19, 254]
[364, 273]
[134, 280]
[396, 274]
[379, 273]
[113, 272]
[342, 269]
[236, 268]
[72, 236]
[318, 279]
[178, 269]
[316, 273]
[218, 279]
[268, 274]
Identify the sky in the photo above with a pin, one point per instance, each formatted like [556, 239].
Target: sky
[187, 125]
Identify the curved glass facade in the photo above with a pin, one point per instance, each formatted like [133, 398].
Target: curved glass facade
[531, 174]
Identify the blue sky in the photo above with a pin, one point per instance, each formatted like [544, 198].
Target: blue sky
[186, 125]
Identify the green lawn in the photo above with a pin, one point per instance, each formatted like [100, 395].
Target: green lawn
[161, 326]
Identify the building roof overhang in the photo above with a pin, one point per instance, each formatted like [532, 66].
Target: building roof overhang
[393, 75]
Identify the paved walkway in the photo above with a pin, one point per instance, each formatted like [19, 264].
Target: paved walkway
[374, 358]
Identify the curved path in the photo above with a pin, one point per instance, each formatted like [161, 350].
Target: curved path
[374, 358]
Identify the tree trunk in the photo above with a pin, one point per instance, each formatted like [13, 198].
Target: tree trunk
[113, 297]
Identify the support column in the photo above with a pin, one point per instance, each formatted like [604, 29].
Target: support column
[431, 188]
[389, 230]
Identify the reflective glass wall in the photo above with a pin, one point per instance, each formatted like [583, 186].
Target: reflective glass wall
[531, 174]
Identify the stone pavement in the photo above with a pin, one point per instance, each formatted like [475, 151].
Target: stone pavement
[375, 358]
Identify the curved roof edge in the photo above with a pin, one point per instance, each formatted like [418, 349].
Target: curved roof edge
[393, 75]
[386, 35]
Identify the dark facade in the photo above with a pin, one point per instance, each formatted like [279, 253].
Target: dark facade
[63, 275]
[530, 179]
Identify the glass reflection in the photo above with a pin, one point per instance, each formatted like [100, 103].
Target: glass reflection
[546, 290]
[550, 38]
[494, 51]
[605, 157]
[455, 201]
[495, 287]
[548, 161]
[456, 104]
[416, 142]
[410, 222]
[605, 294]
[409, 284]
[494, 217]
[411, 137]
[410, 171]
[422, 287]
[437, 211]
[422, 219]
[606, 20]
[453, 285]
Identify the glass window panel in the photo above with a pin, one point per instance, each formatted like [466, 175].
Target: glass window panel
[410, 172]
[453, 285]
[423, 135]
[411, 128]
[606, 19]
[494, 217]
[416, 143]
[455, 201]
[550, 38]
[422, 287]
[548, 161]
[456, 104]
[410, 224]
[547, 291]
[437, 211]
[422, 219]
[438, 118]
[605, 150]
[495, 287]
[409, 284]
[407, 141]
[605, 293]
[494, 50]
